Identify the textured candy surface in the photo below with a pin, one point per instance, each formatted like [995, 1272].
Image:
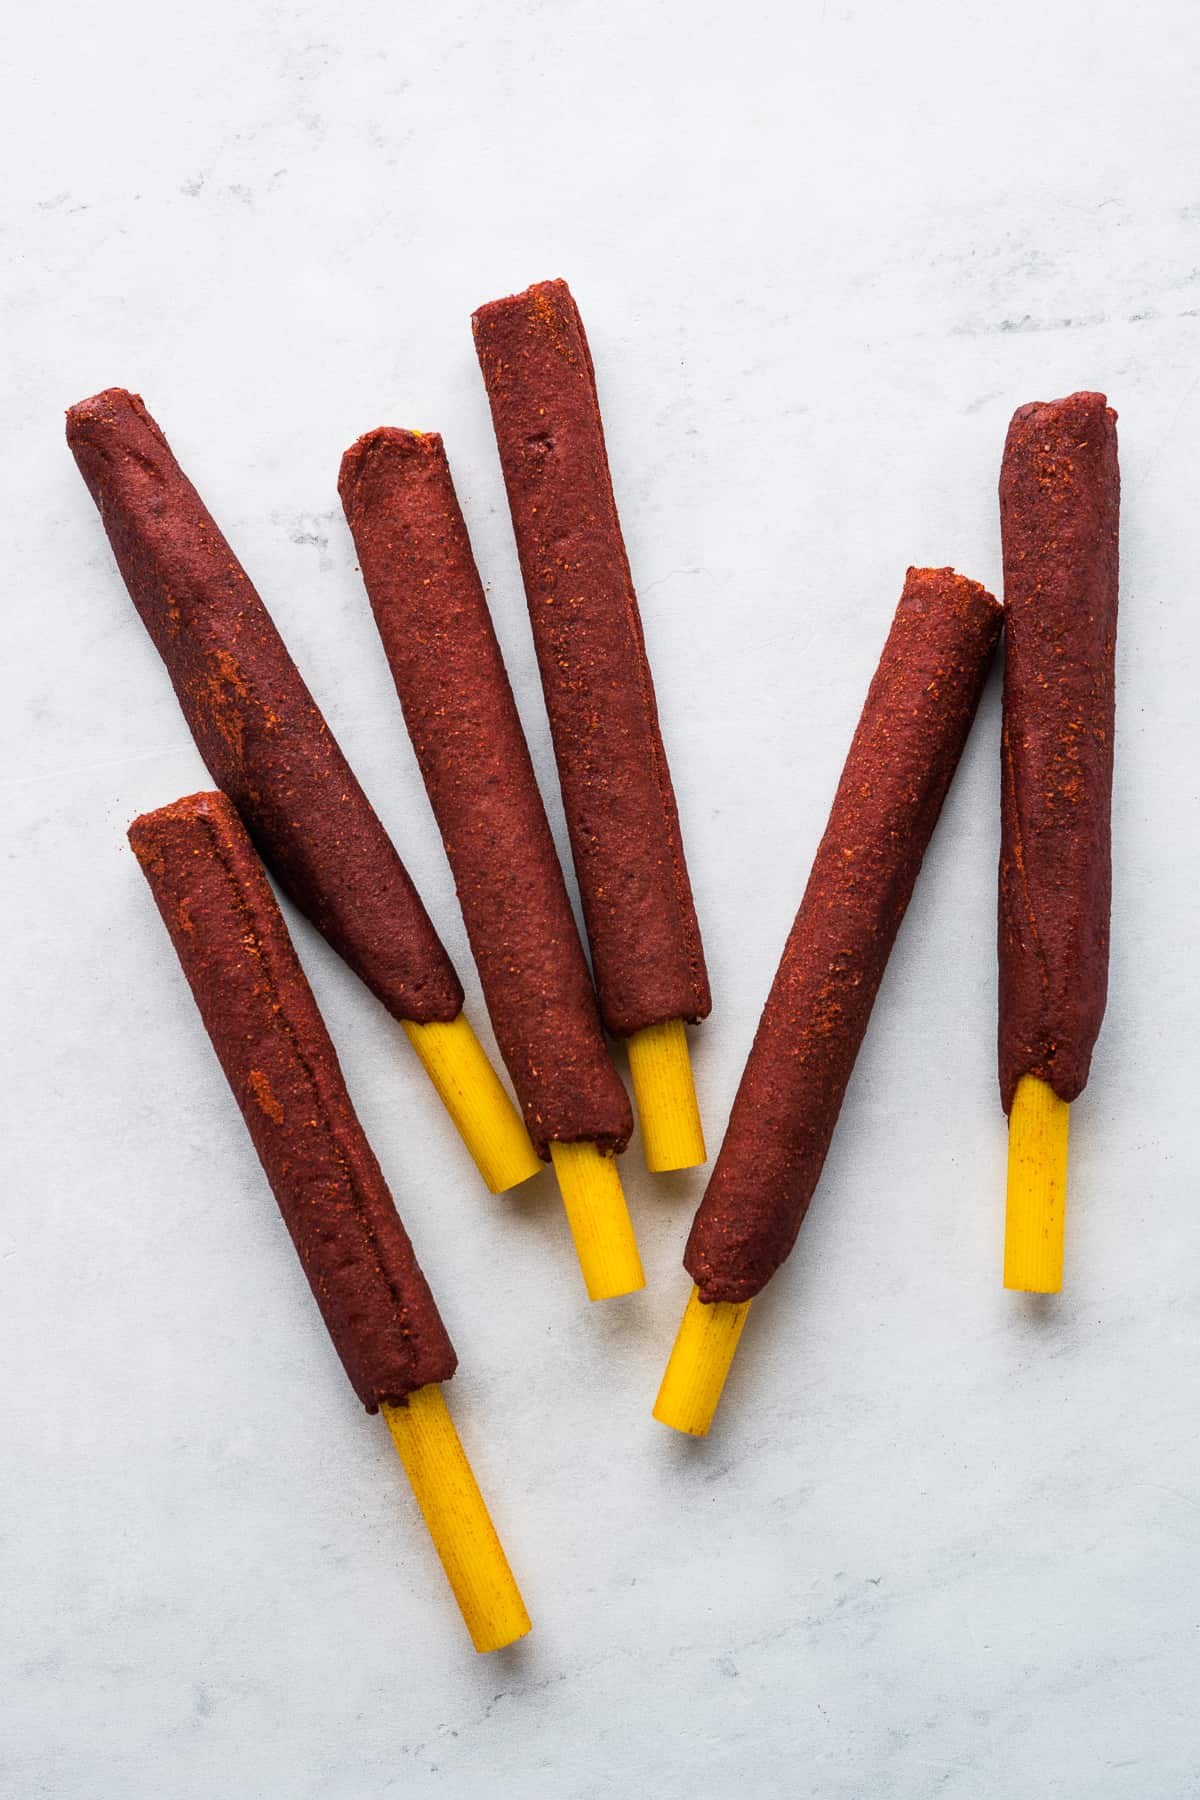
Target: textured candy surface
[910, 736]
[254, 721]
[1060, 498]
[437, 632]
[616, 787]
[271, 1041]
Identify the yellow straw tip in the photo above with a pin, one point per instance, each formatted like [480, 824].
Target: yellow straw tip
[661, 1070]
[699, 1364]
[458, 1520]
[594, 1202]
[471, 1091]
[1035, 1215]
[500, 1639]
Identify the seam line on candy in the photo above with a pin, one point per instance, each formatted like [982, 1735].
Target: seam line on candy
[243, 908]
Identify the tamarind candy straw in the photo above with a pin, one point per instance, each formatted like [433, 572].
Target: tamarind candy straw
[272, 1044]
[905, 750]
[433, 618]
[267, 745]
[1060, 498]
[612, 766]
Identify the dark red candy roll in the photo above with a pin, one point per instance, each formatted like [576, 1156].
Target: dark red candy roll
[905, 750]
[272, 1043]
[620, 807]
[254, 721]
[1060, 496]
[433, 618]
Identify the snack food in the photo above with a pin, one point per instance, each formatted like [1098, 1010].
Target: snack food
[616, 787]
[268, 747]
[272, 1044]
[429, 605]
[1060, 491]
[907, 745]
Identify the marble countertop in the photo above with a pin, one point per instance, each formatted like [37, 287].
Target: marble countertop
[944, 1540]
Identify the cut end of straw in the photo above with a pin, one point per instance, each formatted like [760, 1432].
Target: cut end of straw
[1037, 1188]
[699, 1364]
[470, 1090]
[454, 1510]
[672, 1136]
[599, 1220]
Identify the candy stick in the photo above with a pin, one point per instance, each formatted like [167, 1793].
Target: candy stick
[1060, 496]
[437, 633]
[905, 750]
[267, 745]
[272, 1044]
[612, 766]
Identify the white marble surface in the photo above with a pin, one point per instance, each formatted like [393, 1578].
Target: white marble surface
[944, 1542]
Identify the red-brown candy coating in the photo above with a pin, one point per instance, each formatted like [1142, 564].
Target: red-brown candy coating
[617, 795]
[254, 721]
[1060, 498]
[272, 1043]
[905, 750]
[433, 618]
